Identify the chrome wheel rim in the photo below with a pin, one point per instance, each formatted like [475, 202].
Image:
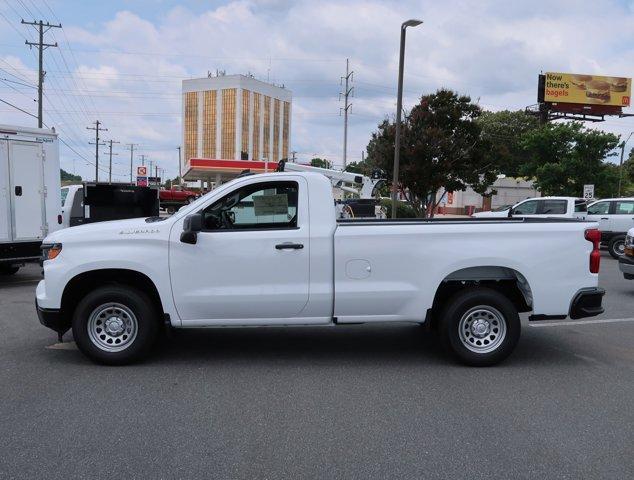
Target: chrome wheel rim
[619, 247]
[112, 327]
[482, 329]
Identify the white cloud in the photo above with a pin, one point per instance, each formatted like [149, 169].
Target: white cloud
[492, 50]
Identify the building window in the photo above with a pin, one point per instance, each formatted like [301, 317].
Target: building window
[255, 155]
[285, 130]
[209, 124]
[191, 126]
[267, 128]
[228, 133]
[276, 131]
[245, 125]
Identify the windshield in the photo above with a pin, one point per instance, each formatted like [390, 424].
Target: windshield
[196, 204]
[64, 192]
[501, 208]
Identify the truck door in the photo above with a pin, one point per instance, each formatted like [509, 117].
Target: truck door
[251, 261]
[5, 200]
[26, 178]
[600, 212]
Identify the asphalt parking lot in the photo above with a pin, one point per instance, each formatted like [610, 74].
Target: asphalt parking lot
[345, 402]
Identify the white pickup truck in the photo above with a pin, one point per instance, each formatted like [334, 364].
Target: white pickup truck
[542, 207]
[267, 250]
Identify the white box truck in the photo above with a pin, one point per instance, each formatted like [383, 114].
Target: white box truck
[30, 204]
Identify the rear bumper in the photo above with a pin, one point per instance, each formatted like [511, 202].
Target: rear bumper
[587, 303]
[626, 265]
[51, 318]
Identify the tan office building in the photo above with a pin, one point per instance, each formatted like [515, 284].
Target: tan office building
[233, 122]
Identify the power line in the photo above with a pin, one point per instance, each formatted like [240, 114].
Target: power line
[17, 108]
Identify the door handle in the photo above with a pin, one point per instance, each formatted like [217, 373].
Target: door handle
[605, 218]
[289, 246]
[18, 191]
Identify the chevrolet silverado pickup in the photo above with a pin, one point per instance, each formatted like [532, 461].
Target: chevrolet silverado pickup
[267, 249]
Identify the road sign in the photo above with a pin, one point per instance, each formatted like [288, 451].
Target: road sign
[141, 181]
[588, 192]
[141, 171]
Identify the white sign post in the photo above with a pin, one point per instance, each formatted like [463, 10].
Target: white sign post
[588, 192]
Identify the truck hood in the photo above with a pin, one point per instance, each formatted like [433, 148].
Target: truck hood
[115, 229]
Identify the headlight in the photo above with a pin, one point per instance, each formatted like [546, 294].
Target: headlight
[50, 251]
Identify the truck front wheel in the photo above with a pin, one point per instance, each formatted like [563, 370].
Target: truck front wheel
[480, 326]
[115, 325]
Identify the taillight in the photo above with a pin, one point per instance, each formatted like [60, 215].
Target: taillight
[594, 235]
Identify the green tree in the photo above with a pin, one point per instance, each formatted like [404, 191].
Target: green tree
[321, 163]
[504, 132]
[68, 177]
[562, 157]
[441, 146]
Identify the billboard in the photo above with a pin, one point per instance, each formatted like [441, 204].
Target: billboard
[587, 89]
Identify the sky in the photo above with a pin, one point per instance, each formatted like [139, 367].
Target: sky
[122, 62]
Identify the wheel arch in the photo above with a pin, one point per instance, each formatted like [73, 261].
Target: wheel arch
[505, 280]
[82, 283]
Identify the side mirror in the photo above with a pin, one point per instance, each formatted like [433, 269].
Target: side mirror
[510, 212]
[191, 226]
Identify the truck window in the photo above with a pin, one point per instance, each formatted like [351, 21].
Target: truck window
[599, 208]
[581, 206]
[526, 208]
[554, 207]
[64, 192]
[265, 205]
[624, 207]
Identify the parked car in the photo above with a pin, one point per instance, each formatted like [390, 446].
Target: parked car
[268, 250]
[545, 207]
[30, 206]
[626, 261]
[615, 217]
[174, 198]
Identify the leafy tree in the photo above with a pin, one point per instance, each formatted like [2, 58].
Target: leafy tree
[504, 131]
[321, 163]
[441, 146]
[562, 157]
[68, 177]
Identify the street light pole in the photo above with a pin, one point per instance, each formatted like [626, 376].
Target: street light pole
[399, 107]
[621, 163]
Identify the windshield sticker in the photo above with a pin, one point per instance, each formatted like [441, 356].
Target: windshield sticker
[270, 205]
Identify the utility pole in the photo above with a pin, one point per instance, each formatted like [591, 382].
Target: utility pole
[110, 142]
[180, 174]
[131, 145]
[143, 159]
[41, 46]
[346, 93]
[156, 175]
[293, 153]
[97, 129]
[621, 162]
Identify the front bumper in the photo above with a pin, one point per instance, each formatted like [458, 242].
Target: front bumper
[626, 265]
[587, 303]
[51, 318]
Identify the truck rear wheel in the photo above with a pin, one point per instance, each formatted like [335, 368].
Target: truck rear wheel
[480, 326]
[616, 247]
[115, 325]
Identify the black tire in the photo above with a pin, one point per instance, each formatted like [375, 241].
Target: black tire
[9, 269]
[616, 246]
[492, 311]
[140, 310]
